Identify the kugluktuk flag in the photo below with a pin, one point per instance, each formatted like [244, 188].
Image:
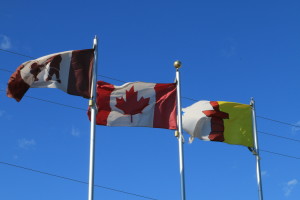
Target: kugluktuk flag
[137, 104]
[219, 121]
[70, 71]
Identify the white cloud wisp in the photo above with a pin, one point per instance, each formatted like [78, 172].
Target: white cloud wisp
[289, 186]
[26, 144]
[5, 42]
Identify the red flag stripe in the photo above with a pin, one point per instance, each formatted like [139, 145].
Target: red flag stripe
[104, 91]
[80, 74]
[17, 87]
[165, 107]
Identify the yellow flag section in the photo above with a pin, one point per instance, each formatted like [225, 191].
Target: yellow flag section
[219, 121]
[238, 128]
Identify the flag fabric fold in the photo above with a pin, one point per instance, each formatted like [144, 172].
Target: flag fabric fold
[137, 104]
[219, 121]
[69, 71]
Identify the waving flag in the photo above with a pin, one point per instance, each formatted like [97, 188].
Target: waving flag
[70, 71]
[137, 104]
[219, 121]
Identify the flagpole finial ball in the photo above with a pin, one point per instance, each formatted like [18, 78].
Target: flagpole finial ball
[177, 64]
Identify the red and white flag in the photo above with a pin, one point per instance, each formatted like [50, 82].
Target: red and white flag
[137, 104]
[70, 71]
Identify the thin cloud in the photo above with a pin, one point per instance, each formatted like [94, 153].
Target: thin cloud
[264, 173]
[289, 186]
[75, 132]
[296, 129]
[5, 115]
[5, 42]
[26, 144]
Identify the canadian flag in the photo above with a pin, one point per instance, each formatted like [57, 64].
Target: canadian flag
[70, 71]
[137, 104]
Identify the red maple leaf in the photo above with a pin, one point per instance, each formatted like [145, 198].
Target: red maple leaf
[132, 106]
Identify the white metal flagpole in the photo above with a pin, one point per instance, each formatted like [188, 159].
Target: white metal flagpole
[93, 109]
[256, 151]
[177, 65]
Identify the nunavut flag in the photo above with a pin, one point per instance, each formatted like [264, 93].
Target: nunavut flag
[70, 71]
[219, 121]
[137, 104]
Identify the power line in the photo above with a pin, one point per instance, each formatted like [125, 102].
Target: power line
[16, 53]
[274, 135]
[287, 138]
[97, 75]
[278, 121]
[265, 118]
[257, 116]
[6, 70]
[112, 78]
[65, 105]
[188, 98]
[74, 180]
[271, 152]
[48, 101]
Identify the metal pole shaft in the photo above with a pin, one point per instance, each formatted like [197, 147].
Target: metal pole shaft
[180, 137]
[92, 104]
[258, 171]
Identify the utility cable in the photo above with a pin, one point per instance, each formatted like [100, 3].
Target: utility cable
[74, 180]
[274, 135]
[84, 109]
[1, 69]
[17, 53]
[6, 70]
[287, 138]
[191, 99]
[265, 118]
[39, 99]
[289, 124]
[271, 152]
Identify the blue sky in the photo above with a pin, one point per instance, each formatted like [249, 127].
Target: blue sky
[230, 50]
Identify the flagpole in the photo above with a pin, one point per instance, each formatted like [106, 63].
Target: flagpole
[177, 65]
[256, 151]
[93, 109]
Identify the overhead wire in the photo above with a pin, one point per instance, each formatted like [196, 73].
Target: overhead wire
[84, 109]
[109, 188]
[108, 77]
[280, 154]
[277, 121]
[282, 137]
[188, 98]
[73, 107]
[16, 53]
[75, 180]
[111, 78]
[66, 178]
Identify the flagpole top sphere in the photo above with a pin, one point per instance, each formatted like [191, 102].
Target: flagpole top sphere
[177, 64]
